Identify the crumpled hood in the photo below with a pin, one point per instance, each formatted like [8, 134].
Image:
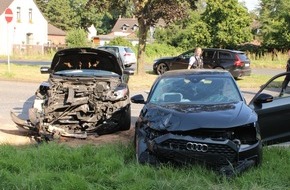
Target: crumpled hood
[178, 117]
[86, 58]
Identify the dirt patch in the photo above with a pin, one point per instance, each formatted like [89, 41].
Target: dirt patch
[10, 134]
[121, 136]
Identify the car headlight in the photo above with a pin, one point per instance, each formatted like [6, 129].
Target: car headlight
[120, 93]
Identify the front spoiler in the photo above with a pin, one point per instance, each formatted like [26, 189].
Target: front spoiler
[25, 124]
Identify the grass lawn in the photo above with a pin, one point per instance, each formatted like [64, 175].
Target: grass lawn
[113, 166]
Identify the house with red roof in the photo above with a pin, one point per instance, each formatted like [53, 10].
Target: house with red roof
[127, 28]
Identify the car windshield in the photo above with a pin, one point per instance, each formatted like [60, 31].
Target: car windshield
[195, 90]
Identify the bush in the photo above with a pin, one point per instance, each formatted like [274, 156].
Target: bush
[77, 38]
[156, 50]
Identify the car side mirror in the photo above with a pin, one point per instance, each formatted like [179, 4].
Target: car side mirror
[138, 99]
[45, 70]
[263, 98]
[181, 57]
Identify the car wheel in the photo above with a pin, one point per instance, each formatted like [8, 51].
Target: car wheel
[161, 68]
[125, 122]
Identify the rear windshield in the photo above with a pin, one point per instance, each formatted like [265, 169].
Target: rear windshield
[128, 50]
[243, 57]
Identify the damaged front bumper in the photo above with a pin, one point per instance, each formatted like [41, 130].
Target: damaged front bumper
[223, 155]
[36, 124]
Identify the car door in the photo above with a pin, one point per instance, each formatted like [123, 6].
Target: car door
[225, 60]
[209, 58]
[273, 110]
[181, 61]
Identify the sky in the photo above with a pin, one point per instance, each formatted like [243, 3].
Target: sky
[251, 4]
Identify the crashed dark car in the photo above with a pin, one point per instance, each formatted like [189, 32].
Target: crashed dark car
[200, 116]
[86, 93]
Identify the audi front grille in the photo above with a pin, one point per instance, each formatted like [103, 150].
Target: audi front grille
[189, 151]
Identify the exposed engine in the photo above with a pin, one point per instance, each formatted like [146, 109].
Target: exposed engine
[70, 107]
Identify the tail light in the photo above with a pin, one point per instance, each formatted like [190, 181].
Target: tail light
[238, 62]
[127, 54]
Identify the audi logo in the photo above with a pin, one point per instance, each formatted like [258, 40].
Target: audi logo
[197, 147]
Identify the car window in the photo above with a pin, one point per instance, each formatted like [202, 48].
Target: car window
[196, 90]
[208, 54]
[113, 49]
[225, 55]
[274, 88]
[187, 54]
[128, 50]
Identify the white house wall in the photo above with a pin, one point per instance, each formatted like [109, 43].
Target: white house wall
[22, 31]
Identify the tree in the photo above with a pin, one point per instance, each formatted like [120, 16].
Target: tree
[275, 19]
[148, 12]
[60, 14]
[228, 23]
[120, 41]
[72, 14]
[188, 33]
[41, 4]
[77, 38]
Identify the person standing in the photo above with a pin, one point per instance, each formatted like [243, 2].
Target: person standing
[196, 61]
[287, 77]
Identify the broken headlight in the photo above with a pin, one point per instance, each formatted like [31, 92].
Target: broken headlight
[120, 93]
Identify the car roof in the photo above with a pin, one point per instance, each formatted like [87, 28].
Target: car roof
[219, 49]
[114, 46]
[184, 72]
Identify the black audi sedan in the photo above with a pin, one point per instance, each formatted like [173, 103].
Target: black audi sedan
[201, 116]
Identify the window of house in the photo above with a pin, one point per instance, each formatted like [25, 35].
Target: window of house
[30, 15]
[125, 27]
[29, 38]
[18, 14]
[135, 27]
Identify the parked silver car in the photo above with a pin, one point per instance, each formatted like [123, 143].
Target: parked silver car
[125, 53]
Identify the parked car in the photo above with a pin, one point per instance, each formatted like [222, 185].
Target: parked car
[200, 116]
[86, 93]
[126, 54]
[236, 62]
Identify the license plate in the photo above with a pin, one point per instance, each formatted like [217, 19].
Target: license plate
[247, 64]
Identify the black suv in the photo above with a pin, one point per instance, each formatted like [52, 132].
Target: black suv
[236, 62]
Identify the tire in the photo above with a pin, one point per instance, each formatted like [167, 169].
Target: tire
[161, 68]
[125, 122]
